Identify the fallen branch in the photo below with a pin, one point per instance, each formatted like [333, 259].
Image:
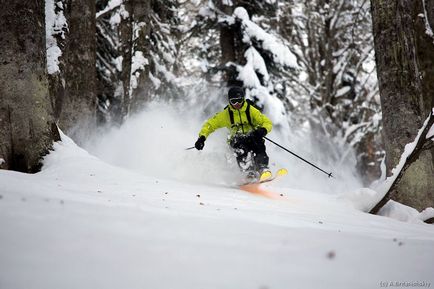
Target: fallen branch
[429, 221]
[410, 155]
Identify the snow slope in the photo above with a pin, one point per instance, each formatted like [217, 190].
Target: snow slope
[83, 223]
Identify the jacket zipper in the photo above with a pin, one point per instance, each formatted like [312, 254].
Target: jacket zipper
[241, 122]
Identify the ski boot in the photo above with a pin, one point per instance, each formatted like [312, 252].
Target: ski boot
[265, 174]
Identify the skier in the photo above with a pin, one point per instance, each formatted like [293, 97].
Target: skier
[247, 126]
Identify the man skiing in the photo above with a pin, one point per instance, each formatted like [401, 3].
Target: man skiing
[247, 126]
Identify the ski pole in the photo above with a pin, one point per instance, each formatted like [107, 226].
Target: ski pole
[190, 148]
[328, 174]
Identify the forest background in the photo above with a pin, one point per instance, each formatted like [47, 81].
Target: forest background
[354, 77]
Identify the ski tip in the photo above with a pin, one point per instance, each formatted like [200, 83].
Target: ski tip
[265, 176]
[282, 172]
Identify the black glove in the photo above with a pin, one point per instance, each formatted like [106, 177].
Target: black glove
[200, 143]
[260, 132]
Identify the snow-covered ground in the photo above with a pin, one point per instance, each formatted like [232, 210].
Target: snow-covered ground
[85, 223]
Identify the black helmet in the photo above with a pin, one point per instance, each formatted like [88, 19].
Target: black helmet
[235, 92]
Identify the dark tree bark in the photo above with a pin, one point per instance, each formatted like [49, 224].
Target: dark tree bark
[227, 43]
[126, 49]
[78, 104]
[27, 127]
[404, 56]
[110, 89]
[425, 53]
[142, 94]
[56, 80]
[232, 47]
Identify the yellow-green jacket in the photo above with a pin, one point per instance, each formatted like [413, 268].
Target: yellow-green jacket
[241, 124]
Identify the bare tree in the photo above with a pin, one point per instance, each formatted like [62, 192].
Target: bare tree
[27, 127]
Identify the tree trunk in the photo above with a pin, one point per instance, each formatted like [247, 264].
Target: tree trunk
[26, 117]
[126, 49]
[78, 110]
[143, 93]
[404, 57]
[110, 88]
[425, 51]
[227, 42]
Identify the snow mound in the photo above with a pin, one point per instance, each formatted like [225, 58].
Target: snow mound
[400, 212]
[363, 199]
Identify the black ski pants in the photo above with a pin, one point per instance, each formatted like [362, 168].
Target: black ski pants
[245, 144]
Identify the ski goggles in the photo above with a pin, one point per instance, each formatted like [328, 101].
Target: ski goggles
[235, 101]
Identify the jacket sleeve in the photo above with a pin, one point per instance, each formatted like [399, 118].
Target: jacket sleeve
[260, 119]
[219, 120]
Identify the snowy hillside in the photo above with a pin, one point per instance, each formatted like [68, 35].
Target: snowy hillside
[85, 223]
